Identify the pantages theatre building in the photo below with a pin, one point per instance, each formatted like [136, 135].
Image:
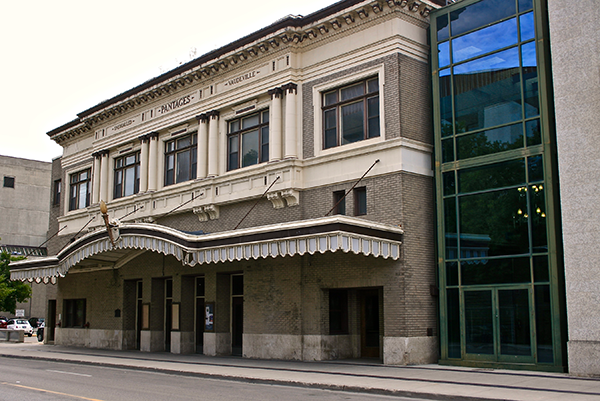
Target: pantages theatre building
[300, 194]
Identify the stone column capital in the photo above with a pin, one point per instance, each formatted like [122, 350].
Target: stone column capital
[276, 93]
[290, 88]
[100, 153]
[202, 118]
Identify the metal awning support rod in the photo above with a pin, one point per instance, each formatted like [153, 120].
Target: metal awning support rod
[350, 190]
[75, 236]
[255, 203]
[44, 243]
[135, 209]
[183, 204]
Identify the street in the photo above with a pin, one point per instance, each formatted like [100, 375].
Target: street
[32, 380]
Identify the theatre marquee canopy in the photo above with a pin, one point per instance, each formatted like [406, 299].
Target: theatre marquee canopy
[329, 234]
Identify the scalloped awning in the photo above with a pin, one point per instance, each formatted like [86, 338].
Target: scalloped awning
[328, 234]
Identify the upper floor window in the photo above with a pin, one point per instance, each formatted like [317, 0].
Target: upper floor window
[127, 175]
[56, 192]
[248, 140]
[360, 201]
[339, 202]
[181, 159]
[9, 182]
[79, 194]
[351, 113]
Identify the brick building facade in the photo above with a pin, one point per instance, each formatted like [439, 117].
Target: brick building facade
[221, 178]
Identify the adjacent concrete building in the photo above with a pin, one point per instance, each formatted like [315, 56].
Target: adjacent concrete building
[24, 212]
[575, 48]
[24, 205]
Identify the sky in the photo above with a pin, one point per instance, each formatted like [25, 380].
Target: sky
[59, 58]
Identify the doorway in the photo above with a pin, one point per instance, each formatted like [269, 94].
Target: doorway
[138, 312]
[498, 324]
[168, 313]
[51, 321]
[369, 323]
[237, 313]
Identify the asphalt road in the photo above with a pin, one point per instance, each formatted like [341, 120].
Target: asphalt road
[24, 379]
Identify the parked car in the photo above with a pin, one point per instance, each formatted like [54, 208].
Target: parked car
[3, 322]
[36, 322]
[20, 324]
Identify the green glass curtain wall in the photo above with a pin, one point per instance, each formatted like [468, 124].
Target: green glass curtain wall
[498, 234]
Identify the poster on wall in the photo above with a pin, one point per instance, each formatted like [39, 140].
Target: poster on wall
[209, 317]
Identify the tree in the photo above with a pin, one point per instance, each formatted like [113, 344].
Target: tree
[11, 292]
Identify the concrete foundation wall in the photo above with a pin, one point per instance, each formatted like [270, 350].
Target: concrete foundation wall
[90, 338]
[410, 350]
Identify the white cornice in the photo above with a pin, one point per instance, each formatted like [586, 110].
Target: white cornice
[288, 38]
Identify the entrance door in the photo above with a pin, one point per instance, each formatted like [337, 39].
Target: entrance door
[498, 324]
[237, 313]
[51, 320]
[138, 320]
[168, 313]
[369, 323]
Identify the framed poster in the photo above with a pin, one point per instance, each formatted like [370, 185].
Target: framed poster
[145, 316]
[209, 324]
[175, 316]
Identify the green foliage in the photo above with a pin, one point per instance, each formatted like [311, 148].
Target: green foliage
[11, 292]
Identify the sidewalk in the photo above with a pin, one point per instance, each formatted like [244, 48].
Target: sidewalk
[424, 381]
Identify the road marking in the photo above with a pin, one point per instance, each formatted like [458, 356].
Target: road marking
[50, 392]
[68, 373]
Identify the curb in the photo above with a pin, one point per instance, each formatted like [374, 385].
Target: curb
[291, 383]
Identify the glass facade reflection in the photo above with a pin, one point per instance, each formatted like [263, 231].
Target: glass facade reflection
[496, 193]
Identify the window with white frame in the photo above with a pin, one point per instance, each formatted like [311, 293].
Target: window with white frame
[351, 113]
[127, 175]
[79, 190]
[181, 159]
[248, 140]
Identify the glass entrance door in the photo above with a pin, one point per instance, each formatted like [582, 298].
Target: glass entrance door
[498, 324]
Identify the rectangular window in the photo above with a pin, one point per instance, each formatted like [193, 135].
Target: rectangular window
[74, 313]
[360, 201]
[56, 191]
[127, 175]
[338, 312]
[180, 159]
[79, 192]
[248, 140]
[351, 113]
[339, 202]
[9, 182]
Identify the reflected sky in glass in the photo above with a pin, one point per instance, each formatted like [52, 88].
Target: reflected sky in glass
[442, 27]
[443, 54]
[485, 40]
[502, 60]
[480, 14]
[527, 27]
[525, 5]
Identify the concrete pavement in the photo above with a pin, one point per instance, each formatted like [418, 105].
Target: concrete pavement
[423, 381]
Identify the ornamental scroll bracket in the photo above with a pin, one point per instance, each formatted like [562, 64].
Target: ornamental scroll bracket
[280, 199]
[208, 212]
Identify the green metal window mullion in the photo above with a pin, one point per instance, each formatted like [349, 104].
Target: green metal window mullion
[439, 198]
[550, 180]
